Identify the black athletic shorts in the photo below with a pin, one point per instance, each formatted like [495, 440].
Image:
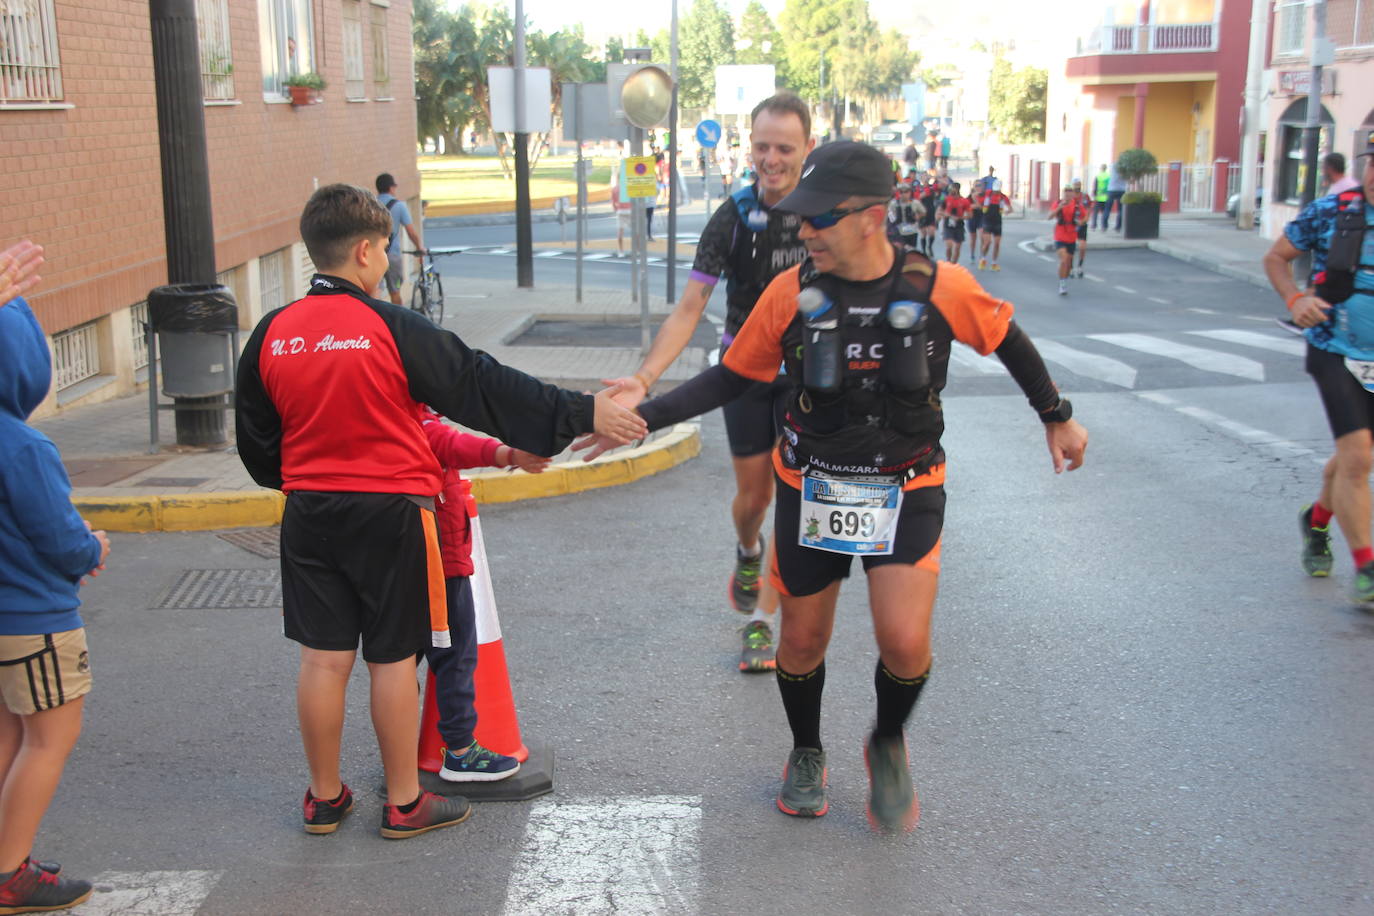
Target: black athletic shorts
[1071, 246]
[954, 232]
[360, 565]
[751, 420]
[1083, 232]
[806, 570]
[1348, 406]
[992, 225]
[975, 221]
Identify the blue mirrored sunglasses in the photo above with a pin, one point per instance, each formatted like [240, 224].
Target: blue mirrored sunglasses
[831, 217]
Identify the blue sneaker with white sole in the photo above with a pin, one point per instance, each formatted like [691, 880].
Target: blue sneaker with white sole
[478, 764]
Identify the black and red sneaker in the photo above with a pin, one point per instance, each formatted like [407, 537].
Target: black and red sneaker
[33, 890]
[323, 816]
[430, 813]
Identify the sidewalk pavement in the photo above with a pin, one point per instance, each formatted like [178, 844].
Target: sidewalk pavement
[119, 486]
[1210, 241]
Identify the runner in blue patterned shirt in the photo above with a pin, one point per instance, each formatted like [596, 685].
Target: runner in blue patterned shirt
[1336, 309]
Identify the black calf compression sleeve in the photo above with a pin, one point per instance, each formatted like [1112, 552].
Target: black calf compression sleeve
[801, 699]
[897, 696]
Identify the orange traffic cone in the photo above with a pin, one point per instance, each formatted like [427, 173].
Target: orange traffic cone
[498, 728]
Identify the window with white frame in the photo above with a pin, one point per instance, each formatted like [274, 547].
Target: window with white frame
[1350, 23]
[216, 60]
[75, 355]
[272, 274]
[29, 67]
[138, 334]
[355, 77]
[286, 30]
[381, 60]
[1290, 27]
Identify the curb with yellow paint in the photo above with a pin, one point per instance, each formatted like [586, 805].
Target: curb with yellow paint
[263, 508]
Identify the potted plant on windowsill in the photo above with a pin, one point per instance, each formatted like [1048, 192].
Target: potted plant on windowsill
[303, 88]
[1141, 207]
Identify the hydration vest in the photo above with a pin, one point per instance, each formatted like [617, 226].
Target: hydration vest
[1336, 283]
[864, 426]
[752, 268]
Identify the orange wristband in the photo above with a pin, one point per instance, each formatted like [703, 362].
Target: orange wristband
[1294, 298]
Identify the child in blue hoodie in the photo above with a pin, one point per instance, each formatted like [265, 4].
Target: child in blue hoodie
[46, 550]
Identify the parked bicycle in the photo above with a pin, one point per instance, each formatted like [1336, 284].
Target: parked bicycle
[427, 292]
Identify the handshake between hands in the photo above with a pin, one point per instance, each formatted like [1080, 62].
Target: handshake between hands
[616, 422]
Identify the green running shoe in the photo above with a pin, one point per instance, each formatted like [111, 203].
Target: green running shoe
[759, 654]
[1316, 546]
[744, 583]
[1364, 583]
[892, 803]
[803, 784]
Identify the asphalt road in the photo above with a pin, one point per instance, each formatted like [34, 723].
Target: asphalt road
[1139, 703]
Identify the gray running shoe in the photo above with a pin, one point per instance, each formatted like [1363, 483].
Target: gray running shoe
[892, 803]
[744, 584]
[758, 654]
[1316, 545]
[1364, 583]
[803, 784]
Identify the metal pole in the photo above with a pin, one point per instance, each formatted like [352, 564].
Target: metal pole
[1312, 129]
[187, 223]
[1249, 143]
[640, 277]
[582, 184]
[672, 165]
[524, 241]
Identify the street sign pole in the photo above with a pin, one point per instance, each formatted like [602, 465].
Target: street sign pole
[1312, 134]
[524, 240]
[672, 166]
[581, 186]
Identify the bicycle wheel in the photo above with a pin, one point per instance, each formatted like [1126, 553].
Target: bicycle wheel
[417, 295]
[436, 301]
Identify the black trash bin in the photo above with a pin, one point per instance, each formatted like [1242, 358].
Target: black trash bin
[195, 325]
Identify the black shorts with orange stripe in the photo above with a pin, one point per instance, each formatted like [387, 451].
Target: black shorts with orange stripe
[361, 567]
[801, 571]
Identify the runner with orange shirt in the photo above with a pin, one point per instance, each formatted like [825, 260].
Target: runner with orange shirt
[865, 332]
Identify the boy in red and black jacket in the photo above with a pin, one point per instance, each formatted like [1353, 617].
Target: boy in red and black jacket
[454, 666]
[328, 410]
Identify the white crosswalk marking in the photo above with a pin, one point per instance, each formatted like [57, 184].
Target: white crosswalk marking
[1124, 289]
[1197, 357]
[499, 251]
[148, 893]
[598, 256]
[547, 254]
[1088, 365]
[1270, 443]
[610, 856]
[962, 356]
[1288, 345]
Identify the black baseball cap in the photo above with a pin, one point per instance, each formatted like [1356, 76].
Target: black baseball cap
[836, 172]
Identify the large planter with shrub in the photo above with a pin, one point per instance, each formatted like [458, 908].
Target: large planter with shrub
[1141, 220]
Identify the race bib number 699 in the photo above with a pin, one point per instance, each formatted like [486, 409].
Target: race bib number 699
[857, 517]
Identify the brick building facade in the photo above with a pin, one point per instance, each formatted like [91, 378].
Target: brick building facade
[79, 147]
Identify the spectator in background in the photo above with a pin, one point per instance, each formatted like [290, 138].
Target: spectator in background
[1116, 189]
[932, 150]
[1333, 174]
[400, 219]
[945, 147]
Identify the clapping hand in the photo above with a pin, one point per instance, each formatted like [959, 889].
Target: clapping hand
[18, 269]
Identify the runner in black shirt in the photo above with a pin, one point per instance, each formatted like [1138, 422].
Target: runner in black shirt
[749, 244]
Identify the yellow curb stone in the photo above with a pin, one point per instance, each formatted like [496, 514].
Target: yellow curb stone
[263, 508]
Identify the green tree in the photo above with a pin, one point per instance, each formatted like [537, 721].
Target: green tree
[760, 42]
[1016, 102]
[706, 40]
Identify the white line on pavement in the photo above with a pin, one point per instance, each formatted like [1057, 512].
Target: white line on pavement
[611, 856]
[1197, 357]
[1204, 311]
[148, 893]
[599, 256]
[498, 251]
[1088, 365]
[1045, 257]
[550, 254]
[1288, 345]
[1276, 445]
[1095, 278]
[965, 358]
[1157, 299]
[1262, 318]
[1124, 289]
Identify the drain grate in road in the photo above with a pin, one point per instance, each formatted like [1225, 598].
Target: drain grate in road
[201, 589]
[262, 542]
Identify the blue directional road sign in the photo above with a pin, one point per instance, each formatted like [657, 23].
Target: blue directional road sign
[708, 134]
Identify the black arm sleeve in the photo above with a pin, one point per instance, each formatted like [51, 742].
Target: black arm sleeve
[471, 387]
[257, 425]
[1023, 361]
[705, 391]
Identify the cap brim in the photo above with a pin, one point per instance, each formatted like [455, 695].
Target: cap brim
[808, 202]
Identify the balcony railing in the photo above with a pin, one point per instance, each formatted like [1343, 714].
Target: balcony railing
[1159, 38]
